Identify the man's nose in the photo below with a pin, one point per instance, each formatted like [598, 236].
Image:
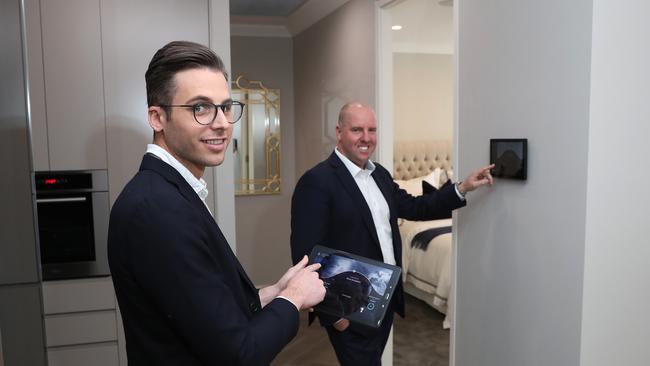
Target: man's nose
[220, 120]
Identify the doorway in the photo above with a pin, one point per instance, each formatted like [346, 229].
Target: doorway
[415, 102]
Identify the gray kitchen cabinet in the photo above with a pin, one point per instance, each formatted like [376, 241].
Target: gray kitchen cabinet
[36, 84]
[80, 328]
[81, 322]
[18, 259]
[73, 83]
[21, 325]
[83, 355]
[21, 320]
[88, 294]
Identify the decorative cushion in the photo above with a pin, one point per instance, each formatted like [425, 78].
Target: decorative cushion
[433, 178]
[428, 189]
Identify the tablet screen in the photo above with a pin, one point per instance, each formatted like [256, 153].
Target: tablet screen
[358, 289]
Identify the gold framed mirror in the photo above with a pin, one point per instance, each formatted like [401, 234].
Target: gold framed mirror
[256, 139]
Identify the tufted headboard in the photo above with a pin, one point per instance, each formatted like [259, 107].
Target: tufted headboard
[413, 159]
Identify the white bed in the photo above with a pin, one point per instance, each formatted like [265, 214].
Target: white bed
[426, 273]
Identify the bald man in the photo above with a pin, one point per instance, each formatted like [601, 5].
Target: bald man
[351, 203]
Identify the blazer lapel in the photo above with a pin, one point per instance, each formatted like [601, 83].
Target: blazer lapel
[353, 190]
[242, 274]
[173, 176]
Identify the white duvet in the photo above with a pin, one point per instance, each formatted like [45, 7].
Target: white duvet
[428, 271]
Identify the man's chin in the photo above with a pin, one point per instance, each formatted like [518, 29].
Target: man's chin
[364, 158]
[215, 161]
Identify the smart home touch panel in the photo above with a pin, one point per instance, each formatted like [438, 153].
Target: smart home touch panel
[358, 289]
[509, 157]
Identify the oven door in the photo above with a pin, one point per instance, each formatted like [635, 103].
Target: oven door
[72, 234]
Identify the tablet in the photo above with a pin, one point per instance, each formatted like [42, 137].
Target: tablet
[357, 288]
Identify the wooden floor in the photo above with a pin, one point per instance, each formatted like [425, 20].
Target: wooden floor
[418, 340]
[311, 347]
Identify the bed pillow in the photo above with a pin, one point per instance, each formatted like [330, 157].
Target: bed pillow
[411, 186]
[428, 188]
[443, 178]
[450, 174]
[434, 177]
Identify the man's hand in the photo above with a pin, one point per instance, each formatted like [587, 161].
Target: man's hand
[341, 324]
[288, 275]
[267, 294]
[476, 179]
[303, 287]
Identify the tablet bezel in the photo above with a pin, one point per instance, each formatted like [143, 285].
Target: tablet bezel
[387, 297]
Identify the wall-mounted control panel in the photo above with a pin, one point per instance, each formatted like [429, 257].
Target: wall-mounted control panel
[510, 158]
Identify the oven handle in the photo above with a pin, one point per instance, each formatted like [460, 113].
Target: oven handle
[56, 200]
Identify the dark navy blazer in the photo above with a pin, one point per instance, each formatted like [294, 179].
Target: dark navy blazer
[328, 209]
[183, 295]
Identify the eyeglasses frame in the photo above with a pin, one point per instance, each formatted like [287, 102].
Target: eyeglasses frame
[216, 106]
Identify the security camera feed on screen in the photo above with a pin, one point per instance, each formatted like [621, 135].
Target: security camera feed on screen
[509, 158]
[358, 289]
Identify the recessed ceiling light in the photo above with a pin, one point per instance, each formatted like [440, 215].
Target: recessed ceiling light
[396, 27]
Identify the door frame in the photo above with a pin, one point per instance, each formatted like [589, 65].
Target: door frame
[385, 137]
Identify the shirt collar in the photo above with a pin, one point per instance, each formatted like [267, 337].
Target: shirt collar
[198, 185]
[353, 168]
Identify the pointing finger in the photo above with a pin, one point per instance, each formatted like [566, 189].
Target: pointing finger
[313, 267]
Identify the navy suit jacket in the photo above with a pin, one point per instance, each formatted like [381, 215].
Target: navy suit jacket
[183, 295]
[328, 209]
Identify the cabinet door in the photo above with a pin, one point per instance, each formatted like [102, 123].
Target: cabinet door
[74, 92]
[80, 328]
[104, 354]
[18, 260]
[40, 155]
[21, 324]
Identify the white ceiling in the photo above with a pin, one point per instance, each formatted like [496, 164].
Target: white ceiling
[263, 18]
[427, 27]
[279, 8]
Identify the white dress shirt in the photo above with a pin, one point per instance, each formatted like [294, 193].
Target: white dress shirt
[376, 202]
[198, 185]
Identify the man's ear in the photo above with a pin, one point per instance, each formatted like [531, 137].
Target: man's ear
[338, 132]
[157, 118]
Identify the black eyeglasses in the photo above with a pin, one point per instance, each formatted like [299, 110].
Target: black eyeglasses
[205, 113]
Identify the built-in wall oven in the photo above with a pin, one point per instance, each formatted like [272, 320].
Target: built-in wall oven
[73, 211]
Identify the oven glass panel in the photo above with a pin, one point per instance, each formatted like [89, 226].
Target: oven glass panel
[66, 227]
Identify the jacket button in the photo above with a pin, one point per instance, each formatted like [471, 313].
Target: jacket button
[253, 306]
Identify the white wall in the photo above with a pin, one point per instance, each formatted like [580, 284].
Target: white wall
[423, 96]
[554, 270]
[334, 63]
[523, 71]
[615, 323]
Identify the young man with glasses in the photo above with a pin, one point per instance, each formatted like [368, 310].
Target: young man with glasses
[183, 295]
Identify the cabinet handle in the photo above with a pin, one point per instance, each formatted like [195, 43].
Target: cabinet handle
[56, 200]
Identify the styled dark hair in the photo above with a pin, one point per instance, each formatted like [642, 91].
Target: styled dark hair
[175, 57]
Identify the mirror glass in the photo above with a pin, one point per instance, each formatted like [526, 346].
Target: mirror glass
[256, 139]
